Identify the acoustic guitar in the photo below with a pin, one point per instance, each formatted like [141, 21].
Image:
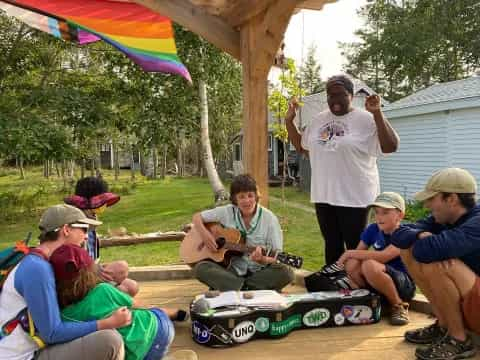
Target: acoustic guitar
[230, 243]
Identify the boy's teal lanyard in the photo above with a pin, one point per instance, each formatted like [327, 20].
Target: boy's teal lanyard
[240, 227]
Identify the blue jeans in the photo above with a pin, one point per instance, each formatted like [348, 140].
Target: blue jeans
[164, 337]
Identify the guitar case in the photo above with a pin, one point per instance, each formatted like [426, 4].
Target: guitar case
[229, 326]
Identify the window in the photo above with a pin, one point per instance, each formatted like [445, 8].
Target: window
[237, 152]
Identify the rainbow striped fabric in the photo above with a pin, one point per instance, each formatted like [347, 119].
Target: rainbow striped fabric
[144, 36]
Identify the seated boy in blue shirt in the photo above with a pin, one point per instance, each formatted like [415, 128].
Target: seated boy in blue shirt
[383, 268]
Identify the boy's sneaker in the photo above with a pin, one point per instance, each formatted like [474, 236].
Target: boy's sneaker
[399, 315]
[426, 335]
[448, 348]
[182, 355]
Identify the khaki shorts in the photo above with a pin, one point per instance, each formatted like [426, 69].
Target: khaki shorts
[470, 308]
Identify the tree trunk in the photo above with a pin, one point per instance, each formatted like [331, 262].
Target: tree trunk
[64, 173]
[82, 168]
[46, 169]
[132, 164]
[179, 166]
[155, 161]
[164, 161]
[116, 151]
[219, 192]
[92, 167]
[22, 170]
[57, 169]
[71, 169]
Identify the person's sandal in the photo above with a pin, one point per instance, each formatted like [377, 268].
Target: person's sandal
[448, 348]
[426, 335]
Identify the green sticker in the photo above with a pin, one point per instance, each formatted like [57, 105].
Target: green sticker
[262, 324]
[285, 326]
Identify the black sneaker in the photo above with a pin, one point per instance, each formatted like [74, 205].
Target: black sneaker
[426, 335]
[448, 348]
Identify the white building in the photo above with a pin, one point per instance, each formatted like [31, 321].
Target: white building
[439, 127]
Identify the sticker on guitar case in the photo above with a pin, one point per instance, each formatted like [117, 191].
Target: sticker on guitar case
[200, 332]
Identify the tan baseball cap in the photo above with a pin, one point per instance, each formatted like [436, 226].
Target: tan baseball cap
[389, 200]
[57, 216]
[449, 180]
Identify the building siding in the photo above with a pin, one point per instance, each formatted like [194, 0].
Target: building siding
[428, 143]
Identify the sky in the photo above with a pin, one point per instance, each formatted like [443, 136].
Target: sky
[336, 22]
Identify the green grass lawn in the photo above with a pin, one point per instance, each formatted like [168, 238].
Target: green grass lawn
[146, 206]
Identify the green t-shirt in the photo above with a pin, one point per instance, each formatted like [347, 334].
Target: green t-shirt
[101, 302]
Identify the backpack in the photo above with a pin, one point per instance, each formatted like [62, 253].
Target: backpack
[9, 258]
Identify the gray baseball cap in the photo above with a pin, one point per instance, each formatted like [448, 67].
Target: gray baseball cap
[57, 216]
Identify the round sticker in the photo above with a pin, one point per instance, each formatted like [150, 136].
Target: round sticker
[262, 324]
[243, 331]
[200, 332]
[316, 317]
[339, 319]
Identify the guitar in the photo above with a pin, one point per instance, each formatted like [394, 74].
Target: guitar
[230, 243]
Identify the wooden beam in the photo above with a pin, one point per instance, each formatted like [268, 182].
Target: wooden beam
[210, 27]
[134, 240]
[241, 11]
[260, 38]
[315, 4]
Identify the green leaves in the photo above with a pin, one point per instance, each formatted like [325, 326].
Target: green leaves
[408, 45]
[280, 95]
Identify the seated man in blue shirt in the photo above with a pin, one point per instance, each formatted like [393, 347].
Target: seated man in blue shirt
[442, 253]
[31, 286]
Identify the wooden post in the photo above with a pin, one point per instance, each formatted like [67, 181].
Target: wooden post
[260, 39]
[255, 132]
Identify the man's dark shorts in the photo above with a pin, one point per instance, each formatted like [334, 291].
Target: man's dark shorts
[403, 282]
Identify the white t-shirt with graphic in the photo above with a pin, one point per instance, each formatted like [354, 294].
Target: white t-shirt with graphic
[343, 154]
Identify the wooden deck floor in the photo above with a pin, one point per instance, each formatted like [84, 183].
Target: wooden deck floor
[378, 341]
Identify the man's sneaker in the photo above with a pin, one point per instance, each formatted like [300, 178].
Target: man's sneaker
[426, 335]
[448, 348]
[182, 355]
[332, 269]
[399, 315]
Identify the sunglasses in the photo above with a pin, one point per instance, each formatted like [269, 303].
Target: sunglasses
[83, 227]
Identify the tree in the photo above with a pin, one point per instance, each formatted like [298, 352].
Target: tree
[408, 45]
[280, 95]
[309, 75]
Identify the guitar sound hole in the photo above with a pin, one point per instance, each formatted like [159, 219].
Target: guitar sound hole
[221, 242]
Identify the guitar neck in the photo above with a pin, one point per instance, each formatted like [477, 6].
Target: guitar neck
[284, 258]
[249, 249]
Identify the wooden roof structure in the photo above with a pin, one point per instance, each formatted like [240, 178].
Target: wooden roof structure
[251, 31]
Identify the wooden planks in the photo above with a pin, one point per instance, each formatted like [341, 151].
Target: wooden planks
[379, 341]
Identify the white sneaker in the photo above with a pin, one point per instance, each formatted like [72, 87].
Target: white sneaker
[182, 355]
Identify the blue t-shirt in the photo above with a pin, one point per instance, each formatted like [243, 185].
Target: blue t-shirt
[373, 236]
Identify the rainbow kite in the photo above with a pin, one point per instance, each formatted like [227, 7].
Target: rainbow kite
[143, 35]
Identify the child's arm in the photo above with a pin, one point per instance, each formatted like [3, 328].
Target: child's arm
[382, 256]
[348, 254]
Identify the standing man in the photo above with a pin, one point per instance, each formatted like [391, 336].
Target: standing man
[343, 143]
[442, 254]
[29, 293]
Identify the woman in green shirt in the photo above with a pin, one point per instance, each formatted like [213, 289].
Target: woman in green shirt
[83, 296]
